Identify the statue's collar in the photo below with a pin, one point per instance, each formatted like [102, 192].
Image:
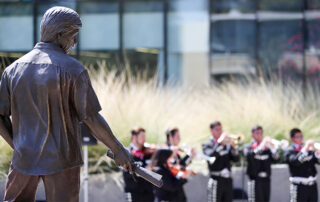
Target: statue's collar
[44, 45]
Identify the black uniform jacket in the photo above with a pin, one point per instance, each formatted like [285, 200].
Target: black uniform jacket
[224, 154]
[301, 164]
[137, 184]
[184, 161]
[172, 189]
[259, 160]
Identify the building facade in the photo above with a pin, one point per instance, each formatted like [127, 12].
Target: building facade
[182, 41]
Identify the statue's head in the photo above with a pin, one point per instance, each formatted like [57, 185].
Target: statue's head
[60, 25]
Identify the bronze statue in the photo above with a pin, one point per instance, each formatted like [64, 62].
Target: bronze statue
[47, 94]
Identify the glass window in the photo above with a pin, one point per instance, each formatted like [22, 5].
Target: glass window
[281, 48]
[313, 4]
[313, 51]
[143, 61]
[106, 59]
[225, 6]
[143, 24]
[16, 33]
[143, 35]
[109, 6]
[99, 35]
[281, 5]
[233, 36]
[15, 9]
[188, 37]
[313, 66]
[143, 6]
[313, 27]
[188, 5]
[188, 26]
[232, 45]
[100, 26]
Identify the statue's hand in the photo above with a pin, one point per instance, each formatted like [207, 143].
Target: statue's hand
[124, 159]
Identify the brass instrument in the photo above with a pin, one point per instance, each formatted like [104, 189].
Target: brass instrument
[231, 138]
[210, 159]
[237, 138]
[283, 144]
[181, 147]
[317, 146]
[272, 143]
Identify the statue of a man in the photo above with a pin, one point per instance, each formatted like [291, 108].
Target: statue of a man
[47, 94]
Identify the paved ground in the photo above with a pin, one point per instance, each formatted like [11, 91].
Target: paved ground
[109, 187]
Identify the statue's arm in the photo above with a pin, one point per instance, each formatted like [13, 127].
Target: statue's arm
[6, 130]
[101, 130]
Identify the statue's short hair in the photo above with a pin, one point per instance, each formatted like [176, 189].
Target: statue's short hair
[58, 19]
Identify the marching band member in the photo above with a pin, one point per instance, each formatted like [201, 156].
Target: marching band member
[136, 188]
[173, 141]
[260, 153]
[178, 162]
[220, 182]
[301, 159]
[172, 182]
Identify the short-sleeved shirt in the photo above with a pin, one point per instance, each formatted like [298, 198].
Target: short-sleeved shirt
[47, 93]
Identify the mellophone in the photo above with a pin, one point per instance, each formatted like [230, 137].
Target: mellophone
[146, 174]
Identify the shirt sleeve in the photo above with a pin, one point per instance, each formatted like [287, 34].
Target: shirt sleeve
[5, 107]
[85, 99]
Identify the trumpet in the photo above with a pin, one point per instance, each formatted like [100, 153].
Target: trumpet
[181, 148]
[316, 146]
[283, 144]
[275, 144]
[231, 138]
[311, 145]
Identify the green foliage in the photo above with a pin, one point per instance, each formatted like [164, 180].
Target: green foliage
[5, 158]
[98, 161]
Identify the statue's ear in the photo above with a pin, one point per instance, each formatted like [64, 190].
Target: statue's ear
[59, 36]
[59, 39]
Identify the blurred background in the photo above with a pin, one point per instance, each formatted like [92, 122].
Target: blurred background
[185, 63]
[182, 41]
